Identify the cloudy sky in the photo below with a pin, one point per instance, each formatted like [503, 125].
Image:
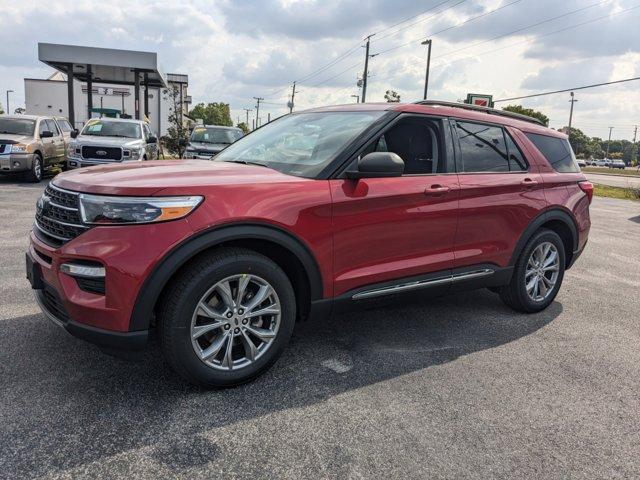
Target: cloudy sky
[235, 50]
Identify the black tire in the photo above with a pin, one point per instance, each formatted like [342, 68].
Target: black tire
[184, 293]
[515, 294]
[34, 175]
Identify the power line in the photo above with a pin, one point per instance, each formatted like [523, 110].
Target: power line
[452, 27]
[567, 90]
[450, 52]
[537, 37]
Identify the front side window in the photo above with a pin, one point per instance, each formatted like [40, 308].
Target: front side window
[302, 144]
[557, 151]
[105, 128]
[43, 127]
[416, 141]
[487, 148]
[52, 127]
[17, 126]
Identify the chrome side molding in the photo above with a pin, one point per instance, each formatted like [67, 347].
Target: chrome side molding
[454, 278]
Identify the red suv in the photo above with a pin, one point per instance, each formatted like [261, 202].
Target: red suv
[313, 213]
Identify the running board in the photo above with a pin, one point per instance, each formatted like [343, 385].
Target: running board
[457, 277]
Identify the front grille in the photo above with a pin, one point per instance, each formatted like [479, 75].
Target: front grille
[58, 216]
[105, 153]
[53, 303]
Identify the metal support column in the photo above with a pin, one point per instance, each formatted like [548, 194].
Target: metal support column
[146, 95]
[136, 89]
[72, 115]
[89, 91]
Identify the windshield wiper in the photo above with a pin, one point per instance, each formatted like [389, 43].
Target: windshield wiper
[246, 162]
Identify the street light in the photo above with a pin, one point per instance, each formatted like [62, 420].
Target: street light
[426, 77]
[357, 97]
[8, 109]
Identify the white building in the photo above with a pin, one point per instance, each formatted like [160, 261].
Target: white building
[51, 96]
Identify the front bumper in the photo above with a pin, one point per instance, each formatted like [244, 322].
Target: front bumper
[75, 162]
[15, 162]
[51, 305]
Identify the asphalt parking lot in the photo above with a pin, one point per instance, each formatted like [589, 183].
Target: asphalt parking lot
[457, 387]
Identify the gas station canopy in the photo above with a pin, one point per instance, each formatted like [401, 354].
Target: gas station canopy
[104, 65]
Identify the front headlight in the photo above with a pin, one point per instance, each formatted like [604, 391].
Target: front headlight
[136, 153]
[18, 148]
[103, 210]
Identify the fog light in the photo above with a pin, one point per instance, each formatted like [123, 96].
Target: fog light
[16, 164]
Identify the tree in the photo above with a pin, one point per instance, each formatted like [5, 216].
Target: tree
[177, 132]
[243, 126]
[530, 112]
[580, 143]
[392, 96]
[1, 109]
[216, 113]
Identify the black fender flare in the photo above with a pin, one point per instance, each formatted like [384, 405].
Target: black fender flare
[182, 253]
[537, 222]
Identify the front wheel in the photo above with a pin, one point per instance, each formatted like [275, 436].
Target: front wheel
[227, 318]
[537, 275]
[34, 175]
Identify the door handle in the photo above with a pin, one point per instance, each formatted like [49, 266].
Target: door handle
[529, 182]
[436, 189]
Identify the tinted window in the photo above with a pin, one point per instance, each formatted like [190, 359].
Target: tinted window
[482, 147]
[52, 127]
[557, 151]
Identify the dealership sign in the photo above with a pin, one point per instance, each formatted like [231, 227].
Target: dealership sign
[479, 99]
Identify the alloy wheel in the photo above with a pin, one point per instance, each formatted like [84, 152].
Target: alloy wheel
[235, 322]
[542, 271]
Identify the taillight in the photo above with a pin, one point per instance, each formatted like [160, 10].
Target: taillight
[587, 187]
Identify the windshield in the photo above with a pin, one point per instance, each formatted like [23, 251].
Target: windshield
[215, 135]
[105, 128]
[300, 144]
[17, 126]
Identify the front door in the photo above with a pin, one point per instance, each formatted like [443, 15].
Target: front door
[388, 229]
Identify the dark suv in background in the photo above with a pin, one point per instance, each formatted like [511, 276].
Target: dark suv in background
[206, 141]
[316, 212]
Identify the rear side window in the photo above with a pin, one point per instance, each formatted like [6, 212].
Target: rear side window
[486, 148]
[557, 151]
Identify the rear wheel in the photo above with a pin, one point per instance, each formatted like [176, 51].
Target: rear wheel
[537, 275]
[227, 318]
[35, 174]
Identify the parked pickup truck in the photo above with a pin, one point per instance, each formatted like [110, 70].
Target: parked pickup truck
[29, 145]
[111, 140]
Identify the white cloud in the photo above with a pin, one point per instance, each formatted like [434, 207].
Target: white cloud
[235, 50]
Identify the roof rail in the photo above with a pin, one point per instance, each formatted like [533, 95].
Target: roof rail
[478, 108]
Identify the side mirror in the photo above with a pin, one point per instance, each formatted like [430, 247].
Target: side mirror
[378, 165]
[46, 134]
[74, 133]
[182, 142]
[152, 139]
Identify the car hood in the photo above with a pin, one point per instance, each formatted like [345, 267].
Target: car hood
[216, 147]
[9, 138]
[94, 140]
[164, 176]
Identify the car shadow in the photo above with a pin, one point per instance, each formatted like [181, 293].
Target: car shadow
[64, 392]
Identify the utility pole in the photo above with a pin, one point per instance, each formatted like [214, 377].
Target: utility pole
[258, 100]
[609, 142]
[573, 100]
[247, 110]
[366, 69]
[427, 42]
[293, 95]
[357, 97]
[8, 109]
[634, 155]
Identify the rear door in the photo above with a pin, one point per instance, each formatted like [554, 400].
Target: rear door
[500, 193]
[391, 229]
